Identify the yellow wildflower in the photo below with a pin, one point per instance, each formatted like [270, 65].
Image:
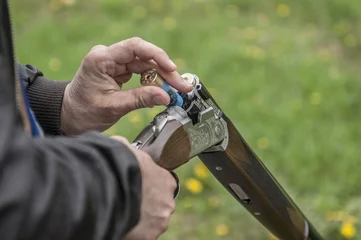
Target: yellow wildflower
[348, 230]
[335, 216]
[340, 216]
[135, 118]
[139, 12]
[201, 171]
[251, 33]
[324, 54]
[55, 5]
[54, 64]
[156, 5]
[222, 230]
[169, 23]
[315, 98]
[152, 112]
[255, 52]
[283, 10]
[258, 53]
[187, 203]
[180, 63]
[194, 186]
[68, 2]
[262, 143]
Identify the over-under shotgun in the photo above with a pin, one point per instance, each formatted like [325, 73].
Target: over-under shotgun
[194, 125]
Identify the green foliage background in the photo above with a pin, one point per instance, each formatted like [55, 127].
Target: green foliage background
[286, 72]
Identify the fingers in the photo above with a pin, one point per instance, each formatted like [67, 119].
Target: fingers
[123, 78]
[125, 51]
[141, 97]
[140, 55]
[172, 78]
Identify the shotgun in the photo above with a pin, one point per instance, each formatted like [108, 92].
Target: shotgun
[194, 125]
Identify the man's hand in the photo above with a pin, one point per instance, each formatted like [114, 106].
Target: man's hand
[94, 99]
[157, 206]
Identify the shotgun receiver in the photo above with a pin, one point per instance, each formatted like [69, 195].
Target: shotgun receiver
[196, 126]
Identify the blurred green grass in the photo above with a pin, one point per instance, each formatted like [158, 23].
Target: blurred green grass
[286, 72]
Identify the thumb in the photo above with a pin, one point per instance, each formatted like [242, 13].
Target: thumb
[141, 97]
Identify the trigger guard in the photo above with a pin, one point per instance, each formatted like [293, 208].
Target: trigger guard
[177, 190]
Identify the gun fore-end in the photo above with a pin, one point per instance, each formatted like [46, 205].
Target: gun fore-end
[244, 175]
[171, 148]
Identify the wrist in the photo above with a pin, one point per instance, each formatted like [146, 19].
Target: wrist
[78, 113]
[68, 115]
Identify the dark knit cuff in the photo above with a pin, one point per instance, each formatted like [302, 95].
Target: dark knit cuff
[46, 98]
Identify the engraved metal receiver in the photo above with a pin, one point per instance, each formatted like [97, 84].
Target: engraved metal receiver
[198, 114]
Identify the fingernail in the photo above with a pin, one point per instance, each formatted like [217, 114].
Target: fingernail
[172, 63]
[159, 100]
[187, 82]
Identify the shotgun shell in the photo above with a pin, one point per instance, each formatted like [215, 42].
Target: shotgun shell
[152, 78]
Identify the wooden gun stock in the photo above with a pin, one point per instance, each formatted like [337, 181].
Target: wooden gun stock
[171, 148]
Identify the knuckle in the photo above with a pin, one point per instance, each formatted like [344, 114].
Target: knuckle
[169, 207]
[162, 52]
[173, 183]
[149, 236]
[140, 99]
[92, 55]
[172, 206]
[95, 54]
[98, 47]
[163, 226]
[136, 40]
[113, 112]
[108, 110]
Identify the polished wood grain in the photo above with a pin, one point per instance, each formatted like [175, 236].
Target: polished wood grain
[172, 147]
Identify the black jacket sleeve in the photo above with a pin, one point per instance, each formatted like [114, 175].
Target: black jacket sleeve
[45, 97]
[86, 187]
[61, 188]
